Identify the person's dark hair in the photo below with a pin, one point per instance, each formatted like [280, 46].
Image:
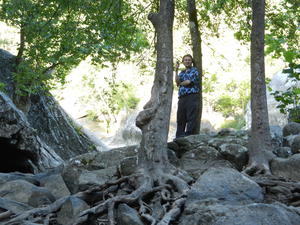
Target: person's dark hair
[189, 55]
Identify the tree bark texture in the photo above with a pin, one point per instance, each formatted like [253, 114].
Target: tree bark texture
[155, 118]
[260, 140]
[197, 51]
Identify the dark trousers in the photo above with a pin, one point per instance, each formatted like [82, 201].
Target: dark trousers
[188, 107]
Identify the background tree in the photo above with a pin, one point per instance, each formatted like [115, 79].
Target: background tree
[197, 51]
[55, 35]
[260, 139]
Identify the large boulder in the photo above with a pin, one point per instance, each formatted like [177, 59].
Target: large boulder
[54, 127]
[291, 128]
[227, 185]
[296, 145]
[13, 206]
[287, 167]
[236, 154]
[94, 168]
[7, 65]
[128, 216]
[70, 209]
[198, 160]
[208, 212]
[26, 193]
[21, 148]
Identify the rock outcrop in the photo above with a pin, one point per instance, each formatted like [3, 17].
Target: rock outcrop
[53, 126]
[21, 148]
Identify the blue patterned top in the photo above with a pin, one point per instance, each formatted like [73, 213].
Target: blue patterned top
[192, 75]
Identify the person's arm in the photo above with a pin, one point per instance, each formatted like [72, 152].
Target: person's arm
[185, 83]
[194, 78]
[177, 79]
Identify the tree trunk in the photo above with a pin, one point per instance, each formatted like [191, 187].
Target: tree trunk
[155, 118]
[22, 46]
[197, 51]
[155, 174]
[260, 140]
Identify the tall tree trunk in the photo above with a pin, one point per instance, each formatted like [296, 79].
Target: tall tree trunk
[197, 51]
[154, 119]
[260, 140]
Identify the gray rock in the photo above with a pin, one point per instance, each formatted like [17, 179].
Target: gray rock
[128, 166]
[25, 192]
[288, 140]
[236, 154]
[101, 160]
[283, 152]
[7, 64]
[196, 161]
[20, 141]
[226, 185]
[218, 141]
[70, 176]
[291, 128]
[173, 158]
[188, 143]
[227, 132]
[94, 168]
[95, 177]
[287, 168]
[6, 177]
[55, 128]
[55, 184]
[296, 145]
[276, 136]
[13, 206]
[208, 213]
[128, 216]
[70, 209]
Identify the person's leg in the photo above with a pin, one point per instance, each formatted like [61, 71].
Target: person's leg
[181, 118]
[192, 107]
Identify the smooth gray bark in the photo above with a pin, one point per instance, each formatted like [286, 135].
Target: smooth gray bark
[197, 51]
[260, 140]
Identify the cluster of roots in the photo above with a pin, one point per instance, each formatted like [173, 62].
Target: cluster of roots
[137, 191]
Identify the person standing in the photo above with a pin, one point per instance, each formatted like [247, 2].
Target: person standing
[188, 97]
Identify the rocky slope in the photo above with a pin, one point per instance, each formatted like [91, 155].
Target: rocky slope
[211, 164]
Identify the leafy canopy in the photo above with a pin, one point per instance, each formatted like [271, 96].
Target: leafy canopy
[55, 35]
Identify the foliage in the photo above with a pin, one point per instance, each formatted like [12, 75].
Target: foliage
[209, 83]
[234, 102]
[225, 104]
[237, 123]
[107, 100]
[2, 86]
[289, 99]
[283, 31]
[55, 35]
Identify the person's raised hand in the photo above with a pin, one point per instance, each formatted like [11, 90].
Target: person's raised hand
[177, 66]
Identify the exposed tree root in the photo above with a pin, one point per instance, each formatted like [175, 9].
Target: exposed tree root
[257, 168]
[167, 189]
[5, 215]
[279, 189]
[30, 215]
